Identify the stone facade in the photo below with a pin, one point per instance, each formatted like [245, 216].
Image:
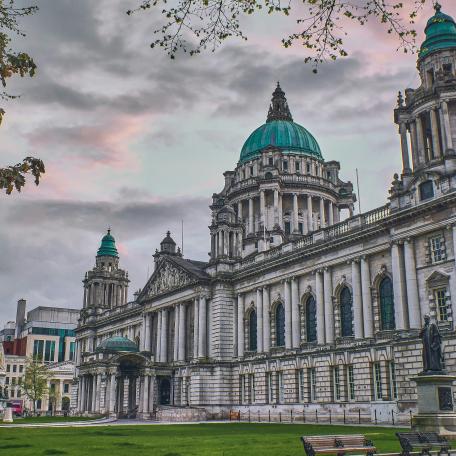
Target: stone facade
[295, 308]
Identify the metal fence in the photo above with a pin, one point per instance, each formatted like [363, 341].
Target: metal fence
[319, 416]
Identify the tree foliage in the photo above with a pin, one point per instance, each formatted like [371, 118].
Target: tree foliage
[15, 63]
[34, 381]
[196, 25]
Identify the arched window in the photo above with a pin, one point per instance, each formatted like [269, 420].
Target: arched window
[253, 331]
[280, 325]
[311, 320]
[268, 175]
[387, 304]
[346, 313]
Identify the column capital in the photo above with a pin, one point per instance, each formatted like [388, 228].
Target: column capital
[355, 260]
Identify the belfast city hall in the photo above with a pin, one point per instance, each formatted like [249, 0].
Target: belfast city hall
[302, 303]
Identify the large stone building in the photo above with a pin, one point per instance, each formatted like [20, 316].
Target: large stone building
[295, 307]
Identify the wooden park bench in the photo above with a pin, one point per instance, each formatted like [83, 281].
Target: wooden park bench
[423, 442]
[337, 444]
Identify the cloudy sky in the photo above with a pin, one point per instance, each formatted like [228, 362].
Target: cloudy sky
[135, 141]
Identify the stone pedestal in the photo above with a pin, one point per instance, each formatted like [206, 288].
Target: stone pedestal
[435, 404]
[8, 415]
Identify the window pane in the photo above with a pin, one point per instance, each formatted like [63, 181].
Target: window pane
[253, 331]
[280, 325]
[387, 304]
[346, 313]
[311, 320]
[426, 190]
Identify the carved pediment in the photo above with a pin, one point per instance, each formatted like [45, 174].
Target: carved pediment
[437, 278]
[166, 278]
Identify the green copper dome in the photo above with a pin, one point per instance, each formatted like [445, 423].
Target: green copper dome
[108, 246]
[280, 132]
[440, 33]
[117, 344]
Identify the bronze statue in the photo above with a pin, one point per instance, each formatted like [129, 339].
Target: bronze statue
[432, 347]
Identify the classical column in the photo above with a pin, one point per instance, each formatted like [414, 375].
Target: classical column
[259, 303]
[263, 208]
[280, 211]
[182, 335]
[202, 327]
[158, 341]
[336, 214]
[420, 139]
[112, 394]
[82, 394]
[239, 213]
[240, 325]
[145, 404]
[195, 327]
[357, 302]
[320, 308]
[295, 317]
[288, 324]
[367, 299]
[437, 152]
[446, 120]
[97, 392]
[164, 336]
[309, 213]
[404, 147]
[398, 286]
[413, 299]
[276, 206]
[266, 322]
[251, 227]
[331, 213]
[94, 393]
[79, 394]
[415, 153]
[295, 213]
[176, 332]
[328, 306]
[147, 332]
[322, 213]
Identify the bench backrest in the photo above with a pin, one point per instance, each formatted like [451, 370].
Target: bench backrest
[413, 438]
[330, 441]
[434, 438]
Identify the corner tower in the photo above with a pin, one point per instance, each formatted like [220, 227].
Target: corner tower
[427, 117]
[106, 285]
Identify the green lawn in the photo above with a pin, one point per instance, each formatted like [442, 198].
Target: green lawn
[231, 439]
[47, 419]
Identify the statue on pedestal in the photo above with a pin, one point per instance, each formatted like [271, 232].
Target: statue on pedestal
[432, 348]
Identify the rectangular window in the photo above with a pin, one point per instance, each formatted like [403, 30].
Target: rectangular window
[301, 380]
[336, 380]
[38, 346]
[297, 166]
[287, 227]
[393, 385]
[435, 244]
[14, 368]
[308, 168]
[285, 165]
[66, 388]
[251, 170]
[49, 351]
[13, 381]
[252, 388]
[8, 368]
[377, 373]
[18, 394]
[72, 350]
[351, 383]
[328, 175]
[270, 388]
[441, 304]
[313, 384]
[271, 161]
[21, 369]
[281, 387]
[301, 227]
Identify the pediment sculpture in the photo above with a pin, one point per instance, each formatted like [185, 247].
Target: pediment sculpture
[168, 278]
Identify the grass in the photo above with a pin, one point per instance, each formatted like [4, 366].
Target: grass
[47, 419]
[230, 439]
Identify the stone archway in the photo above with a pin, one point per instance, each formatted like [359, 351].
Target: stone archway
[128, 378]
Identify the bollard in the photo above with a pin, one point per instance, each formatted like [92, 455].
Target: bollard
[359, 416]
[259, 418]
[230, 414]
[316, 416]
[280, 417]
[291, 415]
[269, 413]
[344, 417]
[392, 416]
[329, 416]
[239, 415]
[303, 415]
[410, 418]
[375, 414]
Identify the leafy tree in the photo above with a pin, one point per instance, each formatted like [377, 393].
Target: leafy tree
[34, 381]
[15, 63]
[196, 25]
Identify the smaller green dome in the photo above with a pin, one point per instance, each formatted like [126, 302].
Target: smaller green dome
[117, 344]
[440, 33]
[108, 246]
